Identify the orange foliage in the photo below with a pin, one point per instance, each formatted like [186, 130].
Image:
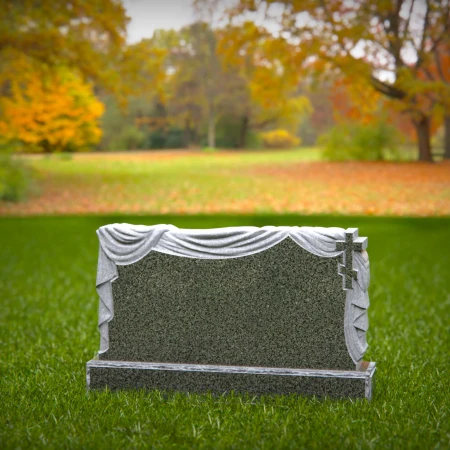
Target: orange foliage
[50, 112]
[433, 86]
[357, 102]
[354, 101]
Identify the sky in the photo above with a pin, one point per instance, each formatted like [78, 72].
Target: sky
[149, 15]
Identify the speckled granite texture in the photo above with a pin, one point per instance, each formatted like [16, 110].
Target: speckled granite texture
[127, 376]
[283, 307]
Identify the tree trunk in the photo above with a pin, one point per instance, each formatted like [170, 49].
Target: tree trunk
[211, 129]
[194, 137]
[45, 145]
[243, 133]
[447, 137]
[423, 138]
[186, 134]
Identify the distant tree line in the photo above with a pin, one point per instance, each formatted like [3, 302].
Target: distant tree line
[212, 89]
[69, 81]
[363, 40]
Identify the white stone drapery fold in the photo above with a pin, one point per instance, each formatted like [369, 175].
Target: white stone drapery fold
[123, 244]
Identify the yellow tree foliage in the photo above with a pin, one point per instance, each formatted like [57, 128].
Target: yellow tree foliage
[280, 139]
[267, 66]
[85, 35]
[50, 112]
[353, 101]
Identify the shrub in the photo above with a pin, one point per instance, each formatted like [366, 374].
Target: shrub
[228, 131]
[279, 139]
[175, 138]
[254, 141]
[358, 142]
[15, 179]
[131, 138]
[437, 140]
[156, 139]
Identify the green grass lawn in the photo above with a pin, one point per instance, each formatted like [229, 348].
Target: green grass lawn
[171, 163]
[268, 182]
[48, 333]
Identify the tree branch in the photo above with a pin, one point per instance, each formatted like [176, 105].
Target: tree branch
[424, 35]
[264, 123]
[408, 20]
[439, 67]
[387, 89]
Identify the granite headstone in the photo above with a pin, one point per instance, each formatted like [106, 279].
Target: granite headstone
[260, 310]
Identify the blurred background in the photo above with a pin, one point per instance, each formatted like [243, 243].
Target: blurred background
[194, 95]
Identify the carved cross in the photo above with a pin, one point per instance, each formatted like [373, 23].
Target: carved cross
[352, 243]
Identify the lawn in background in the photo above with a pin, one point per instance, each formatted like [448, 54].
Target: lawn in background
[181, 182]
[48, 333]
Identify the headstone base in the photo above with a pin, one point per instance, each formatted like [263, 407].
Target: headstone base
[219, 379]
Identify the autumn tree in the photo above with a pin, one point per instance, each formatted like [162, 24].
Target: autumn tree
[84, 35]
[143, 67]
[183, 101]
[48, 51]
[322, 117]
[203, 33]
[435, 76]
[50, 111]
[162, 89]
[194, 83]
[382, 42]
[442, 64]
[202, 86]
[260, 66]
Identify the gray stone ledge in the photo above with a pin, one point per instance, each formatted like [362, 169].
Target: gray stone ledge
[215, 378]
